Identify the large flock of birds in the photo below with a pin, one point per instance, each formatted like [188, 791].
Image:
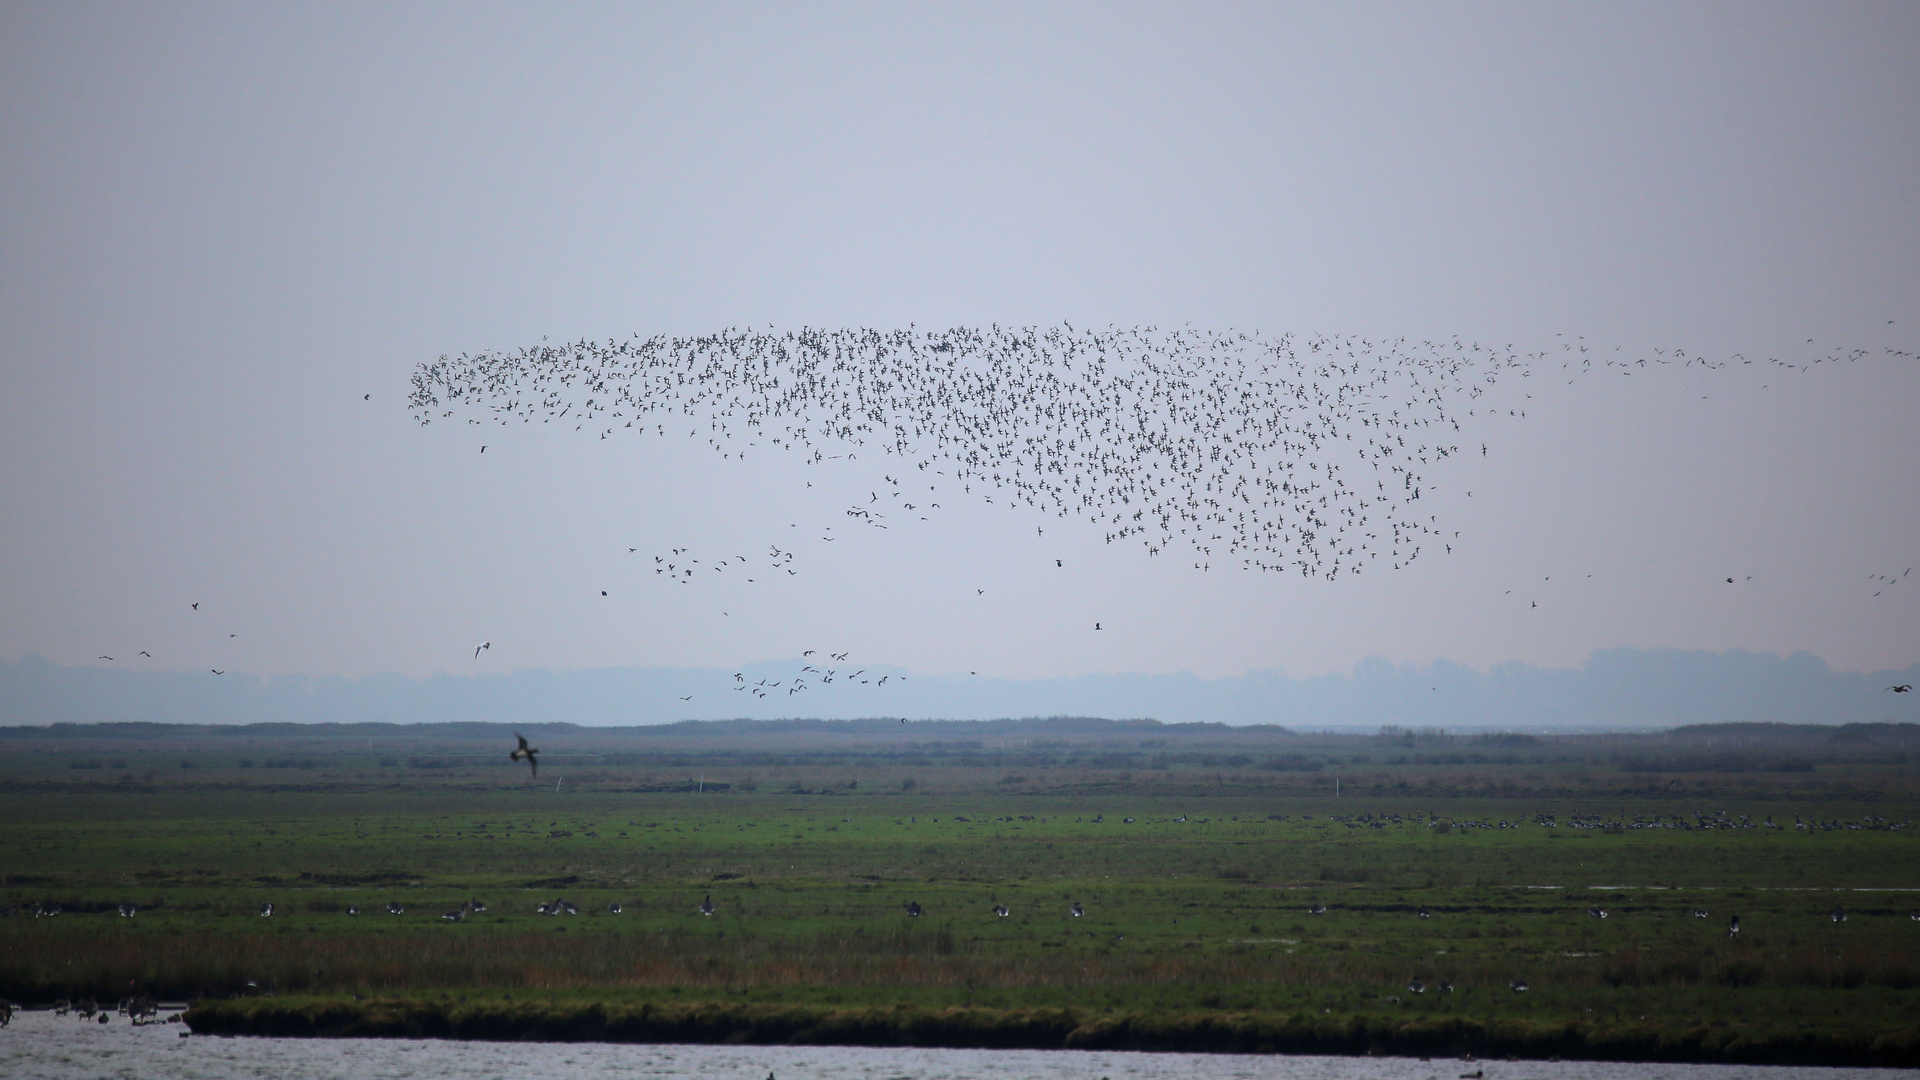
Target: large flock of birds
[1304, 455]
[1300, 455]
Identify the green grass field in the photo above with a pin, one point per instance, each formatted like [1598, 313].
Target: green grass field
[1198, 884]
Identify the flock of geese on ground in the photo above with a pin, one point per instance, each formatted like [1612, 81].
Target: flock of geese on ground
[912, 908]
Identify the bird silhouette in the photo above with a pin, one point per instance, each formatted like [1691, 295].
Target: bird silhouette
[525, 751]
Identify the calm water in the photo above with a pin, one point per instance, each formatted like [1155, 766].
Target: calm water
[47, 1047]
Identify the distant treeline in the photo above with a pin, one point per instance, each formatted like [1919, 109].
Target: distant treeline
[1614, 689]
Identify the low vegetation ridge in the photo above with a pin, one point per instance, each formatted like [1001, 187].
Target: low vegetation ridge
[1203, 1031]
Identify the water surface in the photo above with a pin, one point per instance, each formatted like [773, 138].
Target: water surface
[43, 1045]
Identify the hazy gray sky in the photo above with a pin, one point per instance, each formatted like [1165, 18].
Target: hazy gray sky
[224, 225]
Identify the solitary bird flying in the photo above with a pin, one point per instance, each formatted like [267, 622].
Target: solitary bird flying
[527, 752]
[1903, 688]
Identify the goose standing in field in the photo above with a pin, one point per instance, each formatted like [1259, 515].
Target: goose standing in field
[476, 906]
[394, 908]
[127, 911]
[1446, 987]
[1416, 987]
[1077, 909]
[1699, 913]
[1519, 986]
[1733, 928]
[1318, 908]
[569, 907]
[1001, 910]
[706, 904]
[1424, 913]
[913, 909]
[456, 915]
[1838, 914]
[613, 908]
[352, 911]
[266, 909]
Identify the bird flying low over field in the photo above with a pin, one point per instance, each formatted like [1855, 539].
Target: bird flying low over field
[527, 752]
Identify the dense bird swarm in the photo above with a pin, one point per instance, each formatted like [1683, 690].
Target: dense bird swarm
[1287, 454]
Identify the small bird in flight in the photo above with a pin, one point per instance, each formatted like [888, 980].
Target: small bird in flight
[1903, 688]
[527, 752]
[216, 671]
[482, 645]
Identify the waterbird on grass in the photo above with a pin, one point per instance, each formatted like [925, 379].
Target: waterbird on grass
[1838, 914]
[1416, 987]
[913, 909]
[613, 908]
[1318, 908]
[1001, 910]
[266, 909]
[1733, 928]
[706, 904]
[1077, 909]
[1518, 986]
[352, 911]
[394, 908]
[527, 752]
